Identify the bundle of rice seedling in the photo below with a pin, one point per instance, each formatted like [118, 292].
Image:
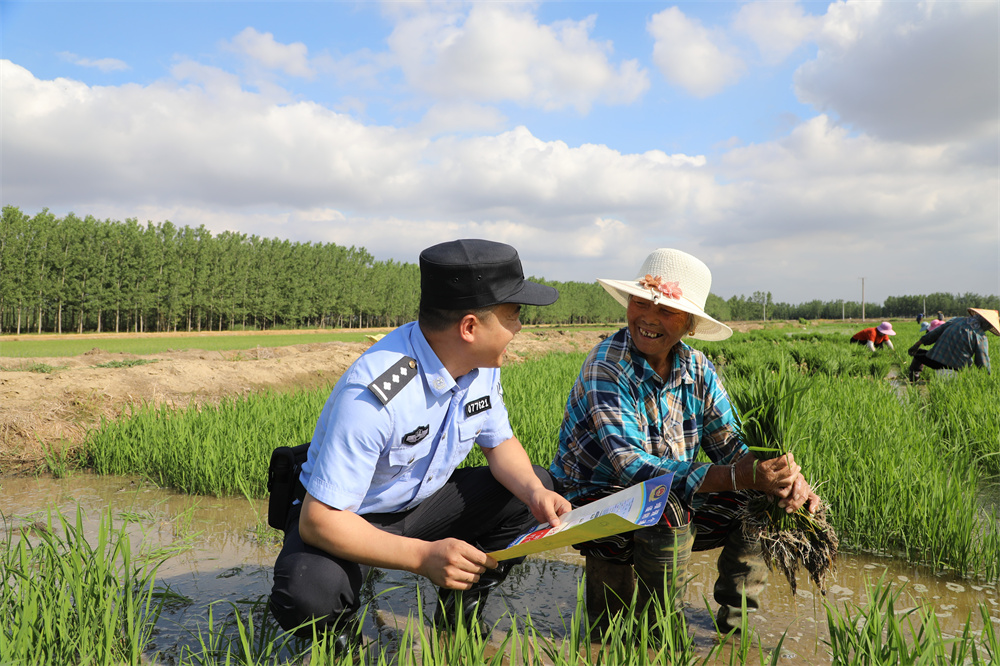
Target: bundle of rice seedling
[767, 408]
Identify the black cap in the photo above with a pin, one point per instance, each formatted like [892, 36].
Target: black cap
[472, 273]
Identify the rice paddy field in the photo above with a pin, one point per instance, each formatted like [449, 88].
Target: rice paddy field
[909, 471]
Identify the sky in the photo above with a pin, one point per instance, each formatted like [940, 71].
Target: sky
[812, 150]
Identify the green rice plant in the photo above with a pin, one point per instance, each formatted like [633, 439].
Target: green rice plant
[65, 601]
[894, 486]
[60, 458]
[768, 411]
[965, 410]
[247, 639]
[881, 633]
[217, 450]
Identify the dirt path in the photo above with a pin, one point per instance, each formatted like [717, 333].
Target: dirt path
[52, 412]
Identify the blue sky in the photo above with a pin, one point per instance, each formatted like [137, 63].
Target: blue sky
[793, 147]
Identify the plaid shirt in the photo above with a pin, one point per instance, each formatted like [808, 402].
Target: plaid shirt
[624, 425]
[959, 342]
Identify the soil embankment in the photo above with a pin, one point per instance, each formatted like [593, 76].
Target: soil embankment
[51, 412]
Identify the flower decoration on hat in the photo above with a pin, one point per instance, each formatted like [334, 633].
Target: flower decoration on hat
[656, 284]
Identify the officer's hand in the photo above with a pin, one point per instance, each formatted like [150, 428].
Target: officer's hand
[454, 564]
[546, 506]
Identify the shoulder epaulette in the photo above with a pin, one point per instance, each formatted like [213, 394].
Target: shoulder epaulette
[392, 381]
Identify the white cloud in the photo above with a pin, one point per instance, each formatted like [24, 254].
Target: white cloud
[777, 28]
[264, 50]
[910, 71]
[500, 52]
[797, 216]
[461, 117]
[103, 64]
[822, 207]
[691, 56]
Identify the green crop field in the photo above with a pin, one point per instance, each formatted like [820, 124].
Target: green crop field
[891, 458]
[907, 470]
[44, 346]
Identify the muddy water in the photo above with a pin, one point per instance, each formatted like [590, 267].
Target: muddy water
[229, 562]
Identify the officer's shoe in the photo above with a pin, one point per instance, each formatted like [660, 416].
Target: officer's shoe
[342, 638]
[468, 604]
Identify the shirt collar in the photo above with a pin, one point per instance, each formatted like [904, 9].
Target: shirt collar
[439, 380]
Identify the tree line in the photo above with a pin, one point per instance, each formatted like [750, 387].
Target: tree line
[66, 274]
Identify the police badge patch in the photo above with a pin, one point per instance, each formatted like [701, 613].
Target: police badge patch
[416, 435]
[478, 405]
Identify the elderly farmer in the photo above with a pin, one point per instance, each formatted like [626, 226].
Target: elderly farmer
[875, 337]
[956, 343]
[381, 488]
[645, 404]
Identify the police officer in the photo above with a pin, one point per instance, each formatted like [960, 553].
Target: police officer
[382, 488]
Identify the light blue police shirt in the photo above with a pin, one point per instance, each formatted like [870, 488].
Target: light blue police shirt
[367, 457]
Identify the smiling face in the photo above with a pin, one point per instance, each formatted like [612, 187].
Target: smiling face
[496, 332]
[656, 329]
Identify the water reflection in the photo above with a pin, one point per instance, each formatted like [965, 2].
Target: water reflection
[231, 559]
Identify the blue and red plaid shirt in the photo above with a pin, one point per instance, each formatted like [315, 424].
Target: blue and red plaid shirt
[623, 424]
[959, 342]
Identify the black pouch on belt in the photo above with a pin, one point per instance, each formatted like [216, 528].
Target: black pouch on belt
[283, 482]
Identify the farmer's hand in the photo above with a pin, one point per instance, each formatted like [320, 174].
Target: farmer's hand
[454, 564]
[801, 495]
[775, 477]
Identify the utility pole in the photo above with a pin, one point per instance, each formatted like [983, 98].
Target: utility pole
[842, 310]
[862, 299]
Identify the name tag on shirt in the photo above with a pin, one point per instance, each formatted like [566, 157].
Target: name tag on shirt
[476, 406]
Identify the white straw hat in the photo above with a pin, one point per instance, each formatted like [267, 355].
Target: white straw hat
[677, 280]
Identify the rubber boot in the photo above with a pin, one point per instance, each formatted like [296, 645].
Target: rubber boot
[742, 574]
[660, 559]
[609, 590]
[470, 602]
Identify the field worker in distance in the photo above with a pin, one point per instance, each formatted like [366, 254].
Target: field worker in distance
[938, 320]
[959, 342]
[924, 324]
[875, 337]
[645, 404]
[381, 488]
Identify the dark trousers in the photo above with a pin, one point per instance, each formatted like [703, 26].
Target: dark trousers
[920, 359]
[310, 585]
